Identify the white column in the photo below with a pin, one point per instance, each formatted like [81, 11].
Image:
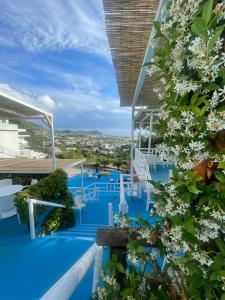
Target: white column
[132, 151]
[97, 269]
[31, 219]
[53, 146]
[139, 136]
[150, 132]
[110, 214]
[82, 180]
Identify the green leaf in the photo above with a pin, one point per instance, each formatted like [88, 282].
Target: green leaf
[207, 11]
[198, 29]
[200, 21]
[221, 165]
[223, 296]
[196, 110]
[140, 249]
[158, 32]
[128, 292]
[214, 276]
[221, 246]
[194, 98]
[212, 87]
[220, 177]
[189, 225]
[114, 258]
[200, 100]
[215, 36]
[170, 100]
[120, 268]
[152, 297]
[192, 189]
[203, 110]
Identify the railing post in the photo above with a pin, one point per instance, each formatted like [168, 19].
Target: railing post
[110, 214]
[31, 219]
[97, 269]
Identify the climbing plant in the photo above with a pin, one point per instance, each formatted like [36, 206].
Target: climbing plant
[190, 65]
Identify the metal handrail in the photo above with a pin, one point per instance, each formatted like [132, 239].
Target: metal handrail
[66, 285]
[31, 203]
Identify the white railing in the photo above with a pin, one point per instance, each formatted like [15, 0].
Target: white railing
[123, 206]
[91, 192]
[31, 203]
[7, 153]
[66, 285]
[146, 158]
[155, 156]
[141, 165]
[87, 194]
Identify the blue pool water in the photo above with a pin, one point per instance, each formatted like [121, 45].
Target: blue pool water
[160, 173]
[76, 180]
[32, 267]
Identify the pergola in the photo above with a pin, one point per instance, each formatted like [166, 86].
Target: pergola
[12, 108]
[131, 34]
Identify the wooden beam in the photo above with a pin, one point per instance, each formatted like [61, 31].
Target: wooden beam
[119, 237]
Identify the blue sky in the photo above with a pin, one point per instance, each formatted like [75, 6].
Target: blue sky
[55, 54]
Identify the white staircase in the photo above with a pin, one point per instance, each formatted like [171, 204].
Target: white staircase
[79, 232]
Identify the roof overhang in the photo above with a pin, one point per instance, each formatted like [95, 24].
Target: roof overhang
[130, 30]
[12, 108]
[143, 115]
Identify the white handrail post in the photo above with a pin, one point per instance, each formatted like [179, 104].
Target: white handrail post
[132, 151]
[150, 132]
[97, 269]
[52, 144]
[31, 219]
[82, 180]
[110, 214]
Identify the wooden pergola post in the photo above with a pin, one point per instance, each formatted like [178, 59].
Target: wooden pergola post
[116, 239]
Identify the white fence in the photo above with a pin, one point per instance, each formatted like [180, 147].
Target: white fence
[146, 158]
[141, 165]
[156, 157]
[91, 192]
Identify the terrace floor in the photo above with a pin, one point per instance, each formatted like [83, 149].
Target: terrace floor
[32, 267]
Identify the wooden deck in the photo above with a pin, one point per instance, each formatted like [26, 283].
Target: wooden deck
[35, 166]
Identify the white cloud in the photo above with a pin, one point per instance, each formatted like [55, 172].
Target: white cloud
[95, 93]
[77, 110]
[47, 102]
[54, 25]
[100, 107]
[42, 101]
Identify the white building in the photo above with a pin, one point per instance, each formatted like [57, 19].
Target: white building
[13, 142]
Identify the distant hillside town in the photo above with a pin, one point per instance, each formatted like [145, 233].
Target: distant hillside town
[23, 139]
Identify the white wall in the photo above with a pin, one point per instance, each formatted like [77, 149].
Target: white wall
[9, 139]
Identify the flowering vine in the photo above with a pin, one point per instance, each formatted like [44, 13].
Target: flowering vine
[191, 71]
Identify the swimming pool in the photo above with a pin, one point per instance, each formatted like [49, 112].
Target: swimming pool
[32, 267]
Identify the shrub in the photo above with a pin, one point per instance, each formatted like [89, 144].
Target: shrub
[52, 188]
[57, 219]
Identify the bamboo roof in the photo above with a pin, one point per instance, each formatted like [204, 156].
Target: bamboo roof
[129, 24]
